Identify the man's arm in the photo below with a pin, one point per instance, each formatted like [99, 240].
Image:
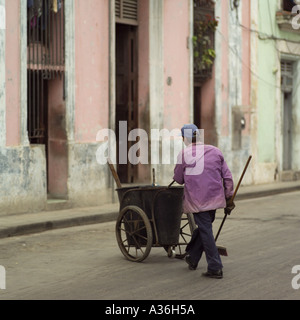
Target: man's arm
[227, 180]
[179, 170]
[228, 187]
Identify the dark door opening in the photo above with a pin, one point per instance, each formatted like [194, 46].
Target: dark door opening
[287, 105]
[197, 106]
[126, 95]
[46, 106]
[37, 110]
[287, 131]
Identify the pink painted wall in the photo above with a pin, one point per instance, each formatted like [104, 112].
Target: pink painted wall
[176, 62]
[92, 68]
[246, 58]
[12, 64]
[208, 110]
[225, 74]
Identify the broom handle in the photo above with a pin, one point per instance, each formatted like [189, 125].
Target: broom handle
[241, 178]
[233, 196]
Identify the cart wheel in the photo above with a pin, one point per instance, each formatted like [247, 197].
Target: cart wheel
[187, 227]
[134, 233]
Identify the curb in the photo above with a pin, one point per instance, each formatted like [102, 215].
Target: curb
[266, 193]
[47, 225]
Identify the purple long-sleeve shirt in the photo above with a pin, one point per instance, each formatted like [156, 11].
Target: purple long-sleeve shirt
[206, 178]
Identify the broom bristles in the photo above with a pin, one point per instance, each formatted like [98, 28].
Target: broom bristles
[222, 251]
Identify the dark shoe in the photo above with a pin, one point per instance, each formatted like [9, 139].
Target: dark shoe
[213, 274]
[192, 265]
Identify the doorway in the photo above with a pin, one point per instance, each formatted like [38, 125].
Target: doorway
[46, 123]
[287, 131]
[287, 112]
[197, 106]
[126, 97]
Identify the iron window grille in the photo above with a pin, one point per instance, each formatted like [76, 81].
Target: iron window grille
[287, 76]
[45, 60]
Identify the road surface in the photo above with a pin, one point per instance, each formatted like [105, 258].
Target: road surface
[262, 237]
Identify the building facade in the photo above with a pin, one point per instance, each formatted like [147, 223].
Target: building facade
[71, 68]
[232, 88]
[275, 87]
[252, 96]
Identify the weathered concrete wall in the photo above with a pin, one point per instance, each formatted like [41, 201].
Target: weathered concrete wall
[233, 85]
[73, 123]
[23, 179]
[22, 168]
[88, 181]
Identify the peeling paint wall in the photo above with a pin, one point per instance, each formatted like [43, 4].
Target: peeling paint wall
[243, 73]
[22, 167]
[23, 179]
[88, 181]
[233, 85]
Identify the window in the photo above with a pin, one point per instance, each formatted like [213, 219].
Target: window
[205, 25]
[286, 76]
[127, 11]
[287, 5]
[45, 60]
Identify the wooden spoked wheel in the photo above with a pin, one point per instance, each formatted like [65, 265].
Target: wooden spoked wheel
[185, 234]
[134, 233]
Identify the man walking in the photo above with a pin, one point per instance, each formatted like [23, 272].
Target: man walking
[208, 186]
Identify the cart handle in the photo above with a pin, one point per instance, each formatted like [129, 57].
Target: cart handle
[114, 173]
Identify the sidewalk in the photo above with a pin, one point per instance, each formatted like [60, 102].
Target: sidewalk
[26, 223]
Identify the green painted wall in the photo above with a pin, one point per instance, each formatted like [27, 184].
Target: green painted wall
[268, 65]
[267, 57]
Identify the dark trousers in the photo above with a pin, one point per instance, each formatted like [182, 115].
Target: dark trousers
[203, 240]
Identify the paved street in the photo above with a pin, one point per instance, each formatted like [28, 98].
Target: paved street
[262, 237]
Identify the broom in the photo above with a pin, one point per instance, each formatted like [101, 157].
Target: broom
[222, 250]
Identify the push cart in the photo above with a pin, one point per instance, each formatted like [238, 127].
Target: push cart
[151, 216]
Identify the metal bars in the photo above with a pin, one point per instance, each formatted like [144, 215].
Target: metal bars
[45, 60]
[287, 76]
[37, 107]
